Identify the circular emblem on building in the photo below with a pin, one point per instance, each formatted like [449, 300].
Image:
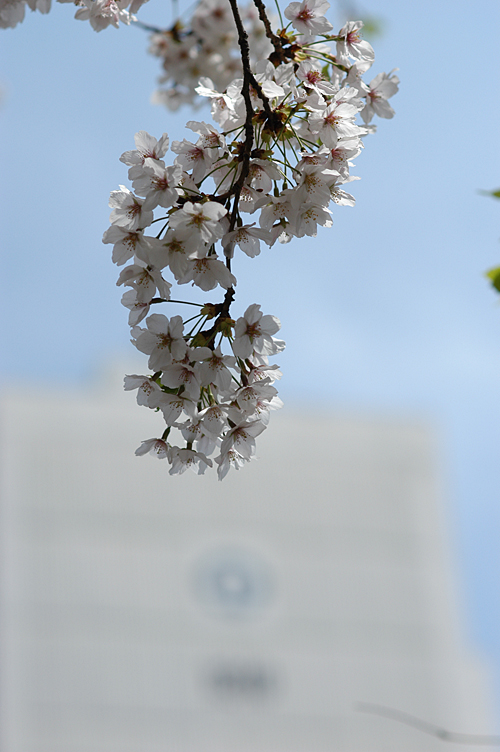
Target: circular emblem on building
[233, 583]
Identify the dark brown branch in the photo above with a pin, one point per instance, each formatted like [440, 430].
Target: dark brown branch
[245, 91]
[426, 727]
[245, 156]
[222, 310]
[276, 41]
[265, 101]
[249, 80]
[284, 49]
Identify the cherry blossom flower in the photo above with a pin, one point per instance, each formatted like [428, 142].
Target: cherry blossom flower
[261, 174]
[253, 333]
[279, 209]
[157, 447]
[241, 438]
[174, 252]
[335, 122]
[192, 157]
[247, 237]
[308, 17]
[187, 459]
[194, 432]
[102, 13]
[314, 186]
[214, 420]
[199, 219]
[350, 43]
[207, 273]
[147, 147]
[126, 243]
[145, 386]
[138, 311]
[307, 219]
[230, 460]
[248, 397]
[158, 183]
[128, 210]
[145, 281]
[162, 340]
[309, 72]
[383, 86]
[263, 370]
[172, 406]
[215, 370]
[211, 141]
[11, 13]
[181, 374]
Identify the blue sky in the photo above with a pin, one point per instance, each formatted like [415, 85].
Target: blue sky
[387, 312]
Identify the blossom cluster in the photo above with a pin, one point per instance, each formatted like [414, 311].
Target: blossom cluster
[215, 400]
[100, 13]
[206, 46]
[281, 149]
[12, 11]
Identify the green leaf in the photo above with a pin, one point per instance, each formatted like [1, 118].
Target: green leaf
[494, 194]
[494, 276]
[372, 27]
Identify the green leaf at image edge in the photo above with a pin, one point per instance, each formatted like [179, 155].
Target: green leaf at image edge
[494, 276]
[494, 194]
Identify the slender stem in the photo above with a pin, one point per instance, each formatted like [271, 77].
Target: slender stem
[198, 316]
[198, 324]
[279, 12]
[175, 10]
[184, 302]
[162, 230]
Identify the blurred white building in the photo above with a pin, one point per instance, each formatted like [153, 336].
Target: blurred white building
[147, 613]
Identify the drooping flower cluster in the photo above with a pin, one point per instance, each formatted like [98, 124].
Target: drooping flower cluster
[216, 401]
[285, 105]
[279, 155]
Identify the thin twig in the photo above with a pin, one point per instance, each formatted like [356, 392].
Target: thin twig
[147, 27]
[425, 726]
[169, 300]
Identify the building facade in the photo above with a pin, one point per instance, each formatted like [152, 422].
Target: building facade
[141, 612]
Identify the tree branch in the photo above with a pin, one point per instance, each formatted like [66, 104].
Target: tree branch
[276, 41]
